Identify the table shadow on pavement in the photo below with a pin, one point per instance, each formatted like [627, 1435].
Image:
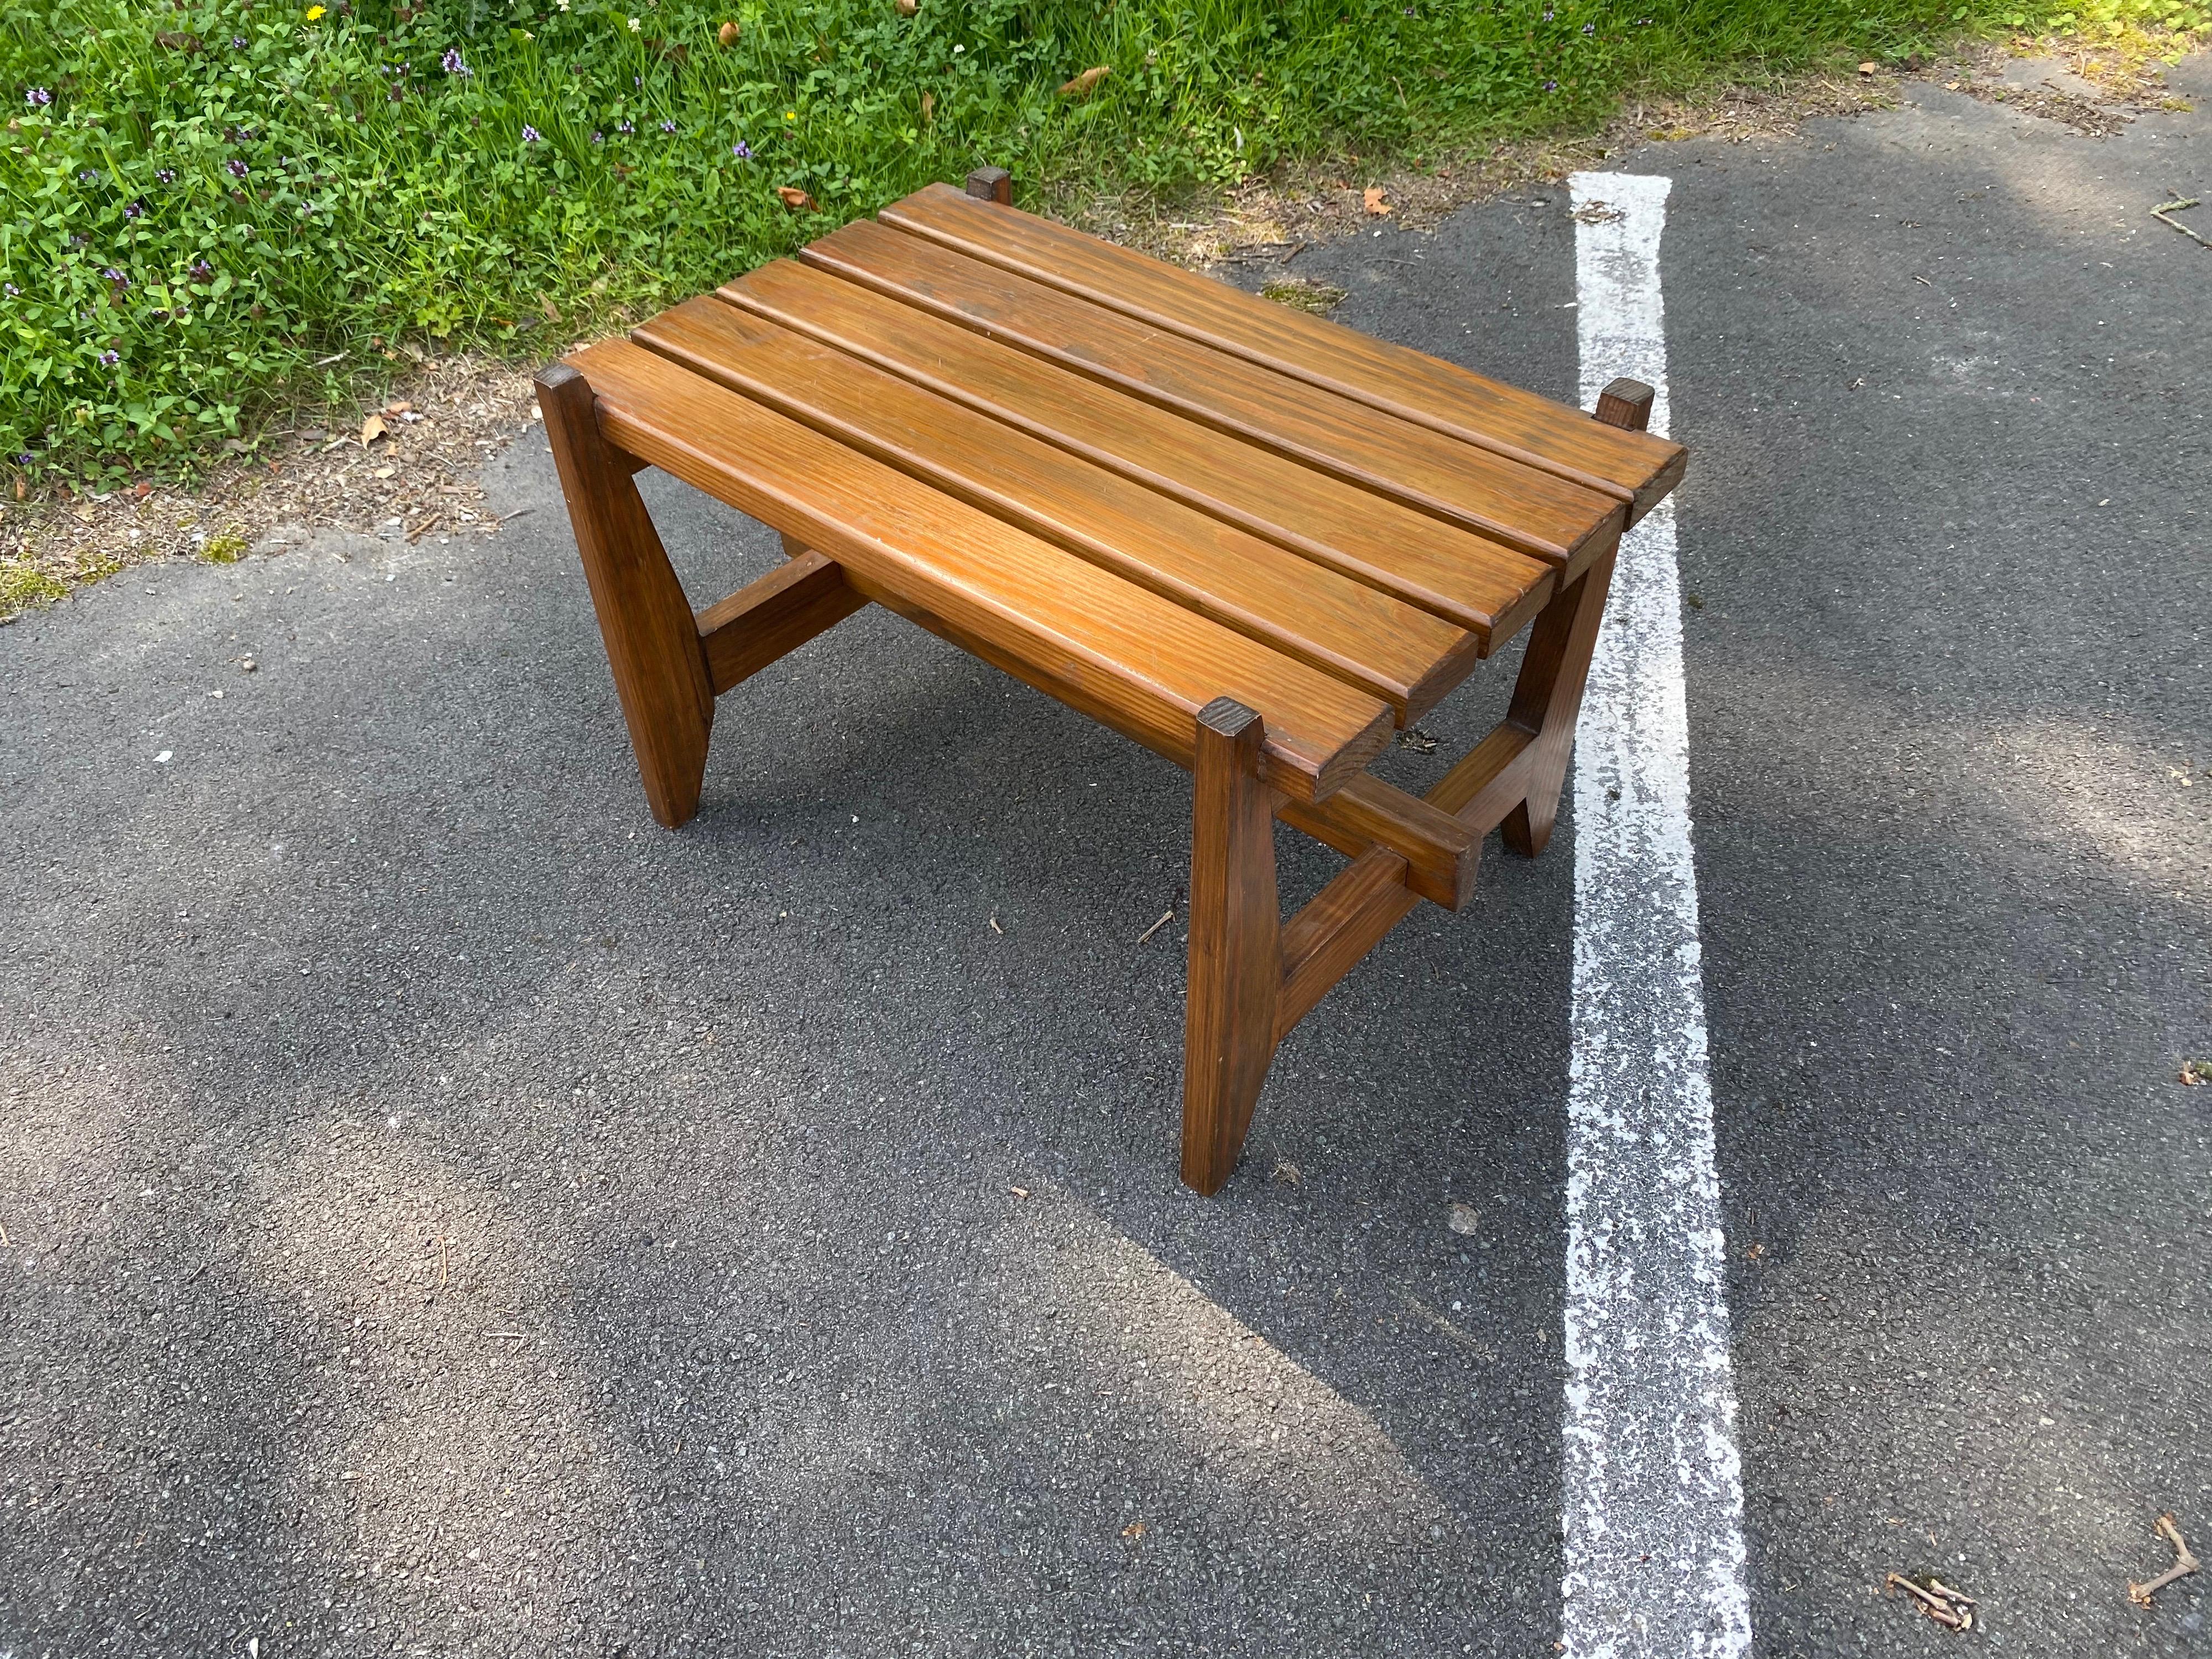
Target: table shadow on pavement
[449, 1213]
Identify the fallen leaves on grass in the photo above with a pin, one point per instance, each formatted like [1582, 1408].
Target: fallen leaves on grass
[795, 199]
[1079, 86]
[727, 34]
[372, 429]
[1377, 200]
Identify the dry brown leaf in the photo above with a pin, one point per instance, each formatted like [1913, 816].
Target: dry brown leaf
[1083, 83]
[1378, 200]
[727, 34]
[371, 430]
[1868, 68]
[397, 408]
[928, 106]
[552, 312]
[795, 199]
[907, 8]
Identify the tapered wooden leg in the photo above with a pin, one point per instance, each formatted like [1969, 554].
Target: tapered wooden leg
[1236, 952]
[1548, 698]
[651, 636]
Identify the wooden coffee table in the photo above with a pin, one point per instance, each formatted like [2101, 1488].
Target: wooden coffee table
[1249, 538]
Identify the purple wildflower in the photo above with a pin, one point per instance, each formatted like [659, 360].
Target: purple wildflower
[86, 177]
[599, 138]
[237, 168]
[624, 126]
[1589, 28]
[12, 290]
[668, 126]
[238, 43]
[531, 135]
[158, 316]
[453, 63]
[741, 150]
[1551, 86]
[37, 98]
[201, 271]
[116, 277]
[165, 175]
[23, 459]
[134, 210]
[111, 358]
[1548, 17]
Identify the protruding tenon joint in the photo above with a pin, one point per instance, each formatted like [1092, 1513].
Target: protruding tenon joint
[992, 185]
[1227, 717]
[1626, 404]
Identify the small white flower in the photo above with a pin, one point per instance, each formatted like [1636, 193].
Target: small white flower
[956, 51]
[633, 26]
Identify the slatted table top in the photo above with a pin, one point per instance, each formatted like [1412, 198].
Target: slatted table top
[1128, 484]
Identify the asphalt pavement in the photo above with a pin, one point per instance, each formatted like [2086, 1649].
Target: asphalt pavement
[446, 1213]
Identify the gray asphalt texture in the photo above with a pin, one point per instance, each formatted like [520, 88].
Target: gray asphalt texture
[447, 1214]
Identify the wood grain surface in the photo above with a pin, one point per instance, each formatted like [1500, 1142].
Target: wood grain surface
[1490, 590]
[1144, 662]
[1413, 385]
[1526, 508]
[1407, 656]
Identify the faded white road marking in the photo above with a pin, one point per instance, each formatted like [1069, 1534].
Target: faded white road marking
[1653, 1494]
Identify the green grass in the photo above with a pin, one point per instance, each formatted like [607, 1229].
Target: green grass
[209, 207]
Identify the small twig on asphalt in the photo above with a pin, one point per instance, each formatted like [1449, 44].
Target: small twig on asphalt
[1952, 1609]
[2183, 1564]
[2164, 214]
[444, 1243]
[517, 514]
[1166, 916]
[4, 1244]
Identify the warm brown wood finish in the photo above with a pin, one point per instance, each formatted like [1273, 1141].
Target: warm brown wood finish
[1548, 698]
[1409, 384]
[1342, 923]
[1476, 489]
[1438, 848]
[1235, 965]
[1119, 646]
[652, 644]
[1407, 657]
[1247, 538]
[766, 619]
[1489, 589]
[1625, 405]
[991, 185]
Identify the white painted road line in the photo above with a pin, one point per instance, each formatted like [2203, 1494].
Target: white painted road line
[1652, 1489]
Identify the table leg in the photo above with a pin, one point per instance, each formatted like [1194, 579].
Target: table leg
[1236, 952]
[1548, 698]
[651, 637]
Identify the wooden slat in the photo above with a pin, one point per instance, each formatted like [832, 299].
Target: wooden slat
[1440, 851]
[1476, 489]
[1409, 383]
[1407, 657]
[1489, 589]
[1338, 926]
[771, 618]
[1141, 663]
